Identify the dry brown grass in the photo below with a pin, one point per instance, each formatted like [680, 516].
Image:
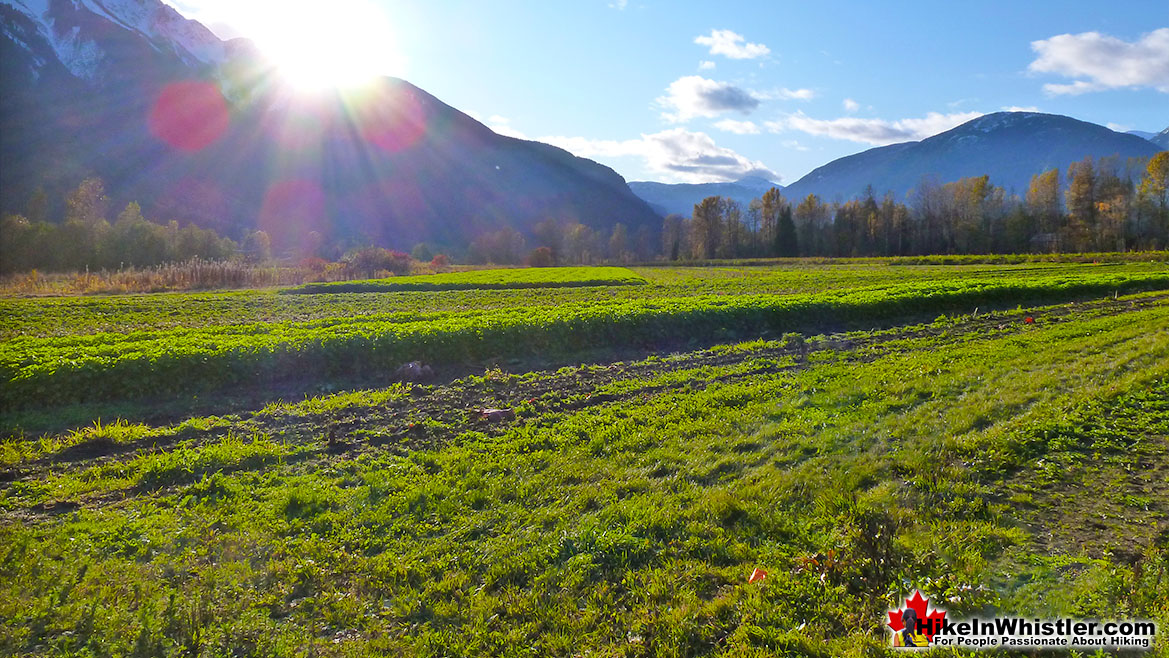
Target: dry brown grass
[195, 274]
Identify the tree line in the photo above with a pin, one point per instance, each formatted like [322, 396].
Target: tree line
[554, 242]
[86, 240]
[1097, 205]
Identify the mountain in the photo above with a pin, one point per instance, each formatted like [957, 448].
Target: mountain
[681, 198]
[202, 130]
[1161, 139]
[1010, 147]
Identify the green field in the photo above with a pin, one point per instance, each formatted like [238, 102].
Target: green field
[558, 277]
[222, 474]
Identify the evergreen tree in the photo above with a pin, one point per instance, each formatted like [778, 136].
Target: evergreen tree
[672, 237]
[786, 242]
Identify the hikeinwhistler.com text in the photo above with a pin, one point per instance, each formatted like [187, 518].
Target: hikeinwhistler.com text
[1017, 632]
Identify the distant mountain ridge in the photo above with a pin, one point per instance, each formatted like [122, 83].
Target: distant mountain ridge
[202, 130]
[680, 198]
[1010, 147]
[1161, 139]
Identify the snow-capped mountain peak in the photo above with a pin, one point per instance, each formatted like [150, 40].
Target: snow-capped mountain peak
[1161, 139]
[78, 30]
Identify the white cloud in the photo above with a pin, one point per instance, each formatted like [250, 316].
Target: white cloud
[1103, 62]
[1074, 89]
[1017, 108]
[850, 105]
[738, 127]
[793, 144]
[619, 5]
[734, 46]
[587, 147]
[502, 126]
[705, 65]
[1118, 127]
[677, 155]
[873, 131]
[695, 96]
[785, 94]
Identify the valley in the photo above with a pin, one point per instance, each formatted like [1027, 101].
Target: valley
[608, 329]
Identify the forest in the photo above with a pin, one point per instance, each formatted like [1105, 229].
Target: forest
[1092, 206]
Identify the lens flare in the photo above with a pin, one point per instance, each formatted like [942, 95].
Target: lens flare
[391, 118]
[189, 115]
[292, 211]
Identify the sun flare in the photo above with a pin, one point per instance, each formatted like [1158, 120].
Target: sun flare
[347, 44]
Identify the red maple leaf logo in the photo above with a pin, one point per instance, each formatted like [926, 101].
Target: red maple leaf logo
[931, 621]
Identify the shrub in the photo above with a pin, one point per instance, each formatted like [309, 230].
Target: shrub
[370, 260]
[541, 257]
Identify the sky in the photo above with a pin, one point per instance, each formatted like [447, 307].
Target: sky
[678, 91]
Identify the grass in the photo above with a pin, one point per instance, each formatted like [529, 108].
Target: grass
[1001, 466]
[518, 278]
[192, 360]
[951, 259]
[195, 274]
[75, 316]
[97, 438]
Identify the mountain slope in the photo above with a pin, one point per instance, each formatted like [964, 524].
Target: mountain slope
[680, 198]
[1161, 139]
[197, 129]
[1010, 147]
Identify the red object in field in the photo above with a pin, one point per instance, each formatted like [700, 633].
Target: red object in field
[1028, 320]
[757, 575]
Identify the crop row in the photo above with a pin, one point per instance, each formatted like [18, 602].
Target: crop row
[554, 277]
[1161, 256]
[61, 316]
[113, 366]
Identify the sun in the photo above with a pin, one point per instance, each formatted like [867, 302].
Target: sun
[318, 45]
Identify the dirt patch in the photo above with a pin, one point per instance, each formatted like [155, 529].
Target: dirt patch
[91, 449]
[1106, 510]
[1102, 485]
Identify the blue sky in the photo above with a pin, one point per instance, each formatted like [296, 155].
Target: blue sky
[701, 91]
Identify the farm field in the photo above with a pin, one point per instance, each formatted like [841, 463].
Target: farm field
[593, 470]
[559, 277]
